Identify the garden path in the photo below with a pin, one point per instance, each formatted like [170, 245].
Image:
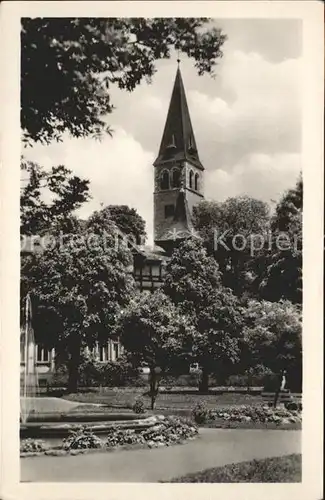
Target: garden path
[213, 448]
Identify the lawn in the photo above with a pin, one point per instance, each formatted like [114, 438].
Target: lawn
[216, 424]
[181, 405]
[285, 469]
[124, 398]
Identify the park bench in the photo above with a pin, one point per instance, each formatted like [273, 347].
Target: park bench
[285, 396]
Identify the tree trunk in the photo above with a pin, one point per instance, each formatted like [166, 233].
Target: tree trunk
[277, 392]
[248, 382]
[204, 382]
[153, 387]
[249, 379]
[73, 366]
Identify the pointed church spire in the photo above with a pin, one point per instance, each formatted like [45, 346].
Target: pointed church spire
[178, 141]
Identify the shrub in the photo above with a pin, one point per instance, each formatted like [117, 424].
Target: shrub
[253, 377]
[82, 438]
[59, 378]
[192, 379]
[118, 373]
[187, 380]
[294, 378]
[32, 445]
[237, 381]
[168, 381]
[137, 381]
[293, 405]
[138, 406]
[93, 373]
[271, 382]
[201, 413]
[90, 373]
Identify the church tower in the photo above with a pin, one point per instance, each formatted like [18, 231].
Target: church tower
[178, 173]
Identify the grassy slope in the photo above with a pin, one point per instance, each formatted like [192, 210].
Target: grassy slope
[269, 470]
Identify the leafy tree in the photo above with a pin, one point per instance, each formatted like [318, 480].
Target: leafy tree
[283, 274]
[78, 286]
[234, 232]
[215, 345]
[68, 66]
[289, 208]
[192, 276]
[64, 192]
[153, 332]
[128, 221]
[273, 336]
[193, 283]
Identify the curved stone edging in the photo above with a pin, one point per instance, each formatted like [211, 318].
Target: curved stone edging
[109, 449]
[44, 418]
[34, 430]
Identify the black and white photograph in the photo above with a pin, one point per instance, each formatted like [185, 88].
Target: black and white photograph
[162, 201]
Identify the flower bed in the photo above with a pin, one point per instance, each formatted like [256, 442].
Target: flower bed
[248, 415]
[33, 446]
[167, 431]
[260, 414]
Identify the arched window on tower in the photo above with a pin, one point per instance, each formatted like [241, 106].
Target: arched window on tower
[176, 178]
[191, 179]
[164, 179]
[196, 182]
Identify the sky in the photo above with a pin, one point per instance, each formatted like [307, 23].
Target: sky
[247, 124]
